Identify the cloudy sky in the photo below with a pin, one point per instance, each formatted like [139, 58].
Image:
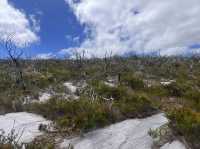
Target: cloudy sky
[48, 28]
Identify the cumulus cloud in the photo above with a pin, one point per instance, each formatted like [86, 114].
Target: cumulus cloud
[75, 40]
[44, 56]
[35, 23]
[134, 25]
[15, 22]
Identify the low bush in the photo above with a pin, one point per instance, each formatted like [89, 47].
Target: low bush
[158, 91]
[39, 80]
[85, 114]
[44, 143]
[133, 81]
[134, 106]
[193, 95]
[177, 89]
[109, 92]
[186, 123]
[78, 115]
[10, 101]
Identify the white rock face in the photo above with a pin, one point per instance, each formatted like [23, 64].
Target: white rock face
[109, 84]
[44, 97]
[166, 83]
[25, 125]
[70, 86]
[129, 134]
[174, 145]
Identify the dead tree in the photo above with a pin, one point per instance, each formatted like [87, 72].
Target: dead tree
[107, 61]
[15, 55]
[79, 58]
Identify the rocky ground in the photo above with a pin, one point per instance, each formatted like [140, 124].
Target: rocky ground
[129, 134]
[144, 133]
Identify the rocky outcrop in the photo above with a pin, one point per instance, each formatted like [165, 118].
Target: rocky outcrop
[129, 134]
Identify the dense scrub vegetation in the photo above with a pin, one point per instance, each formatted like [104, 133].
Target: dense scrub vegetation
[85, 114]
[141, 87]
[187, 124]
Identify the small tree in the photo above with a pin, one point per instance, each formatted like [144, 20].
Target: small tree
[107, 61]
[79, 58]
[15, 55]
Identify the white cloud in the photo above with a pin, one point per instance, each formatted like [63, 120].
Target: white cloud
[125, 26]
[15, 22]
[44, 56]
[74, 40]
[35, 23]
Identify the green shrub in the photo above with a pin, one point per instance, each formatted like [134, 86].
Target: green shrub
[187, 123]
[177, 89]
[108, 92]
[44, 143]
[85, 114]
[82, 114]
[38, 80]
[132, 81]
[158, 91]
[60, 74]
[10, 101]
[193, 94]
[134, 106]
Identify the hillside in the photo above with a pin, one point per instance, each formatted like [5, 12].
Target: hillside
[101, 103]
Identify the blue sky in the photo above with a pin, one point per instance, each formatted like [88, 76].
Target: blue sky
[58, 24]
[59, 27]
